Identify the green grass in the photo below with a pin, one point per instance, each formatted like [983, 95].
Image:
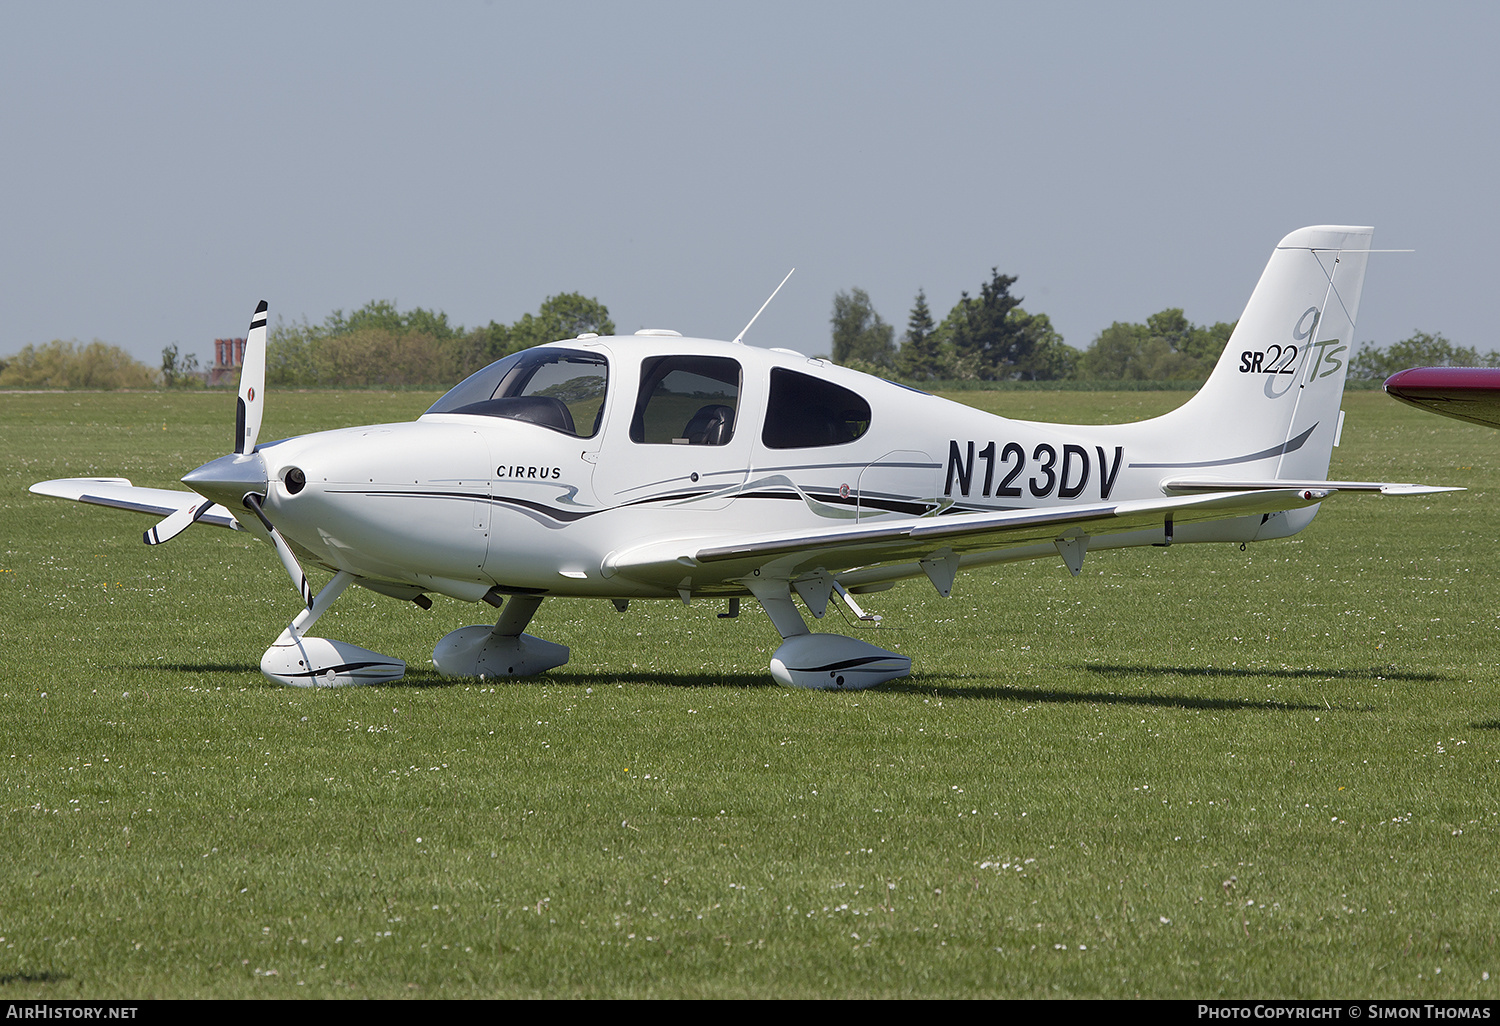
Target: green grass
[1192, 772]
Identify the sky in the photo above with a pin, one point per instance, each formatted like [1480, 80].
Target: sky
[163, 167]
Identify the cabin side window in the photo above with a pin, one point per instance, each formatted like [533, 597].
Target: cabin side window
[686, 400]
[805, 412]
[561, 389]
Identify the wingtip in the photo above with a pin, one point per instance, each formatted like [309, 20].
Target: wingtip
[1416, 489]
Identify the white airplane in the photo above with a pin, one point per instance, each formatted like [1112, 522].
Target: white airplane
[655, 466]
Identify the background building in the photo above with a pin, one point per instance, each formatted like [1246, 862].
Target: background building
[229, 355]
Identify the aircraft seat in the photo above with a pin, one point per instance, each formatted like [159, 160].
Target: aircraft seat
[711, 425]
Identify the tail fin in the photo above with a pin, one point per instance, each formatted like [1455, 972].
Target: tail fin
[1271, 407]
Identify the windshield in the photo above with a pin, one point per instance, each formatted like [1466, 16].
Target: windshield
[561, 389]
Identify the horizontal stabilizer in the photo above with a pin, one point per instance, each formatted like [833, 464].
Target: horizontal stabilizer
[119, 493]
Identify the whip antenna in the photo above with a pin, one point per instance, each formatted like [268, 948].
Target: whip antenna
[739, 339]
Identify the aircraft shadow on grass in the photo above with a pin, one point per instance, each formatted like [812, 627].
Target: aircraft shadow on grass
[199, 667]
[1044, 696]
[1309, 673]
[428, 680]
[1036, 695]
[930, 684]
[433, 679]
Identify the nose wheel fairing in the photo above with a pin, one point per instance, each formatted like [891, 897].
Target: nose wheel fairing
[325, 662]
[302, 662]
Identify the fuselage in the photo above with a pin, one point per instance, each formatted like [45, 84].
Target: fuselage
[469, 497]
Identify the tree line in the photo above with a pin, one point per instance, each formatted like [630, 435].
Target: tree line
[1420, 350]
[988, 337]
[61, 364]
[991, 337]
[376, 345]
[381, 345]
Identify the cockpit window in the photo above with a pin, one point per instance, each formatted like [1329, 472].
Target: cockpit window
[561, 389]
[805, 412]
[686, 400]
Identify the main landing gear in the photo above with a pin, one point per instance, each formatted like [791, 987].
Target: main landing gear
[820, 661]
[502, 650]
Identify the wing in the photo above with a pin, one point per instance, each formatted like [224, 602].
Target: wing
[935, 544]
[1464, 393]
[119, 493]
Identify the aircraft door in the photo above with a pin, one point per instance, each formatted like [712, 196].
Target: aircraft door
[684, 447]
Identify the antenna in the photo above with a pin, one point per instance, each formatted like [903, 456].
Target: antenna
[739, 339]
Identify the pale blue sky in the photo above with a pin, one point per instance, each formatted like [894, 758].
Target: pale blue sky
[165, 166]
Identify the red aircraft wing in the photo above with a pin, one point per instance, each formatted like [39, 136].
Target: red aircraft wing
[1466, 393]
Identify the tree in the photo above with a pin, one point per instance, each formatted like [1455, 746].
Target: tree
[61, 364]
[1115, 353]
[1045, 356]
[382, 314]
[859, 335]
[178, 371]
[290, 351]
[1168, 347]
[986, 343]
[380, 344]
[563, 316]
[922, 356]
[990, 337]
[1420, 350]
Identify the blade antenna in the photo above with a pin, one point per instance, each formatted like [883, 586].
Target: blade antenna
[739, 339]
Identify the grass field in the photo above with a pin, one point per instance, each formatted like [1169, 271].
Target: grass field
[1192, 772]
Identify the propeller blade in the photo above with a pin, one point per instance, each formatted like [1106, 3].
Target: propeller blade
[177, 522]
[283, 550]
[248, 409]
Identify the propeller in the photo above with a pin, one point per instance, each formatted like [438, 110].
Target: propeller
[247, 417]
[251, 403]
[283, 550]
[240, 479]
[176, 522]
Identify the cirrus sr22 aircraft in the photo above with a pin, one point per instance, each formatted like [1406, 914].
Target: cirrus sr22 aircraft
[655, 466]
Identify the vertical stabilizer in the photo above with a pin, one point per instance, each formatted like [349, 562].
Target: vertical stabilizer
[1271, 407]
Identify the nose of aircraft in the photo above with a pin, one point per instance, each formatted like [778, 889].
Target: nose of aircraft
[227, 479]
